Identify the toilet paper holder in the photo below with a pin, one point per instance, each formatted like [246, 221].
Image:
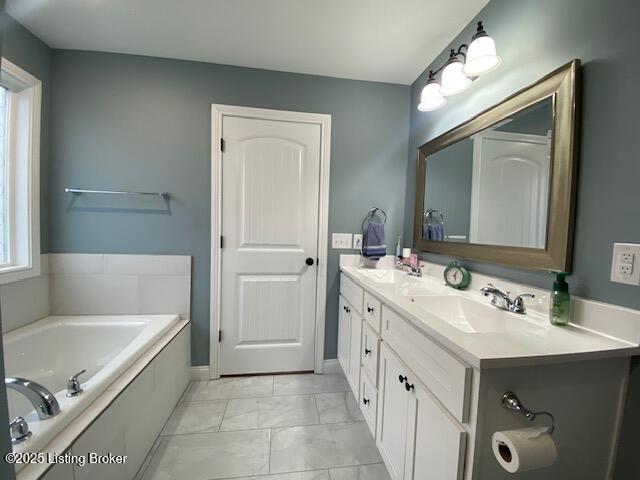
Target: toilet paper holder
[511, 402]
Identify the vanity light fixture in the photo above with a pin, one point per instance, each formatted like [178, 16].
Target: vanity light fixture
[463, 66]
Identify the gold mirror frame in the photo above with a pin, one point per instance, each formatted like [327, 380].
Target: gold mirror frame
[562, 86]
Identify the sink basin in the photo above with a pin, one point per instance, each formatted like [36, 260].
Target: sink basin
[470, 316]
[383, 275]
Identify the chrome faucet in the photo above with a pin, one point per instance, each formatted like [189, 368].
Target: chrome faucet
[503, 301]
[19, 430]
[43, 401]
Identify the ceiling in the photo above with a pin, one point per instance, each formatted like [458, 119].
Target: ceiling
[380, 40]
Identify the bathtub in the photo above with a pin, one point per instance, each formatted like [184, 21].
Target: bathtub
[50, 350]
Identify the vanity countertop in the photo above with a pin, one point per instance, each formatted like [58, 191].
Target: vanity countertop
[466, 324]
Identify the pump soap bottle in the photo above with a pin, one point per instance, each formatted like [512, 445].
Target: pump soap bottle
[560, 301]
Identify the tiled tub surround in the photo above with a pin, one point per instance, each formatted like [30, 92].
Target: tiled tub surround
[454, 356]
[282, 427]
[127, 417]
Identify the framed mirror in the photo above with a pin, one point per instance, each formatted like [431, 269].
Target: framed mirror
[501, 187]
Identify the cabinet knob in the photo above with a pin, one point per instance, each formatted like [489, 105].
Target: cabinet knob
[370, 309]
[365, 401]
[348, 309]
[409, 386]
[367, 351]
[402, 378]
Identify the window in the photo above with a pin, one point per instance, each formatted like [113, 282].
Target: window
[20, 104]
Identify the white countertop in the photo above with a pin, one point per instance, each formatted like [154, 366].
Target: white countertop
[526, 340]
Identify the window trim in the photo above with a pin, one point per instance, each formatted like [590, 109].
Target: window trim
[26, 106]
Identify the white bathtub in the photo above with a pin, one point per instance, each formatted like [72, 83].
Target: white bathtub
[50, 350]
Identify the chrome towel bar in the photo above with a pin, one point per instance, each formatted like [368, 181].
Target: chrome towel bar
[80, 191]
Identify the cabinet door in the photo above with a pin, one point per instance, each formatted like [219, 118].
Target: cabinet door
[344, 337]
[393, 406]
[436, 443]
[354, 353]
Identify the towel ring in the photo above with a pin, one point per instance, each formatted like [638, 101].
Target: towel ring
[431, 211]
[372, 213]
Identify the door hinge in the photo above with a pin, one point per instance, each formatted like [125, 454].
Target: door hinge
[221, 241]
[222, 144]
[219, 336]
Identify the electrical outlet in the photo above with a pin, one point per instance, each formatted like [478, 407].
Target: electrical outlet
[341, 241]
[357, 241]
[623, 265]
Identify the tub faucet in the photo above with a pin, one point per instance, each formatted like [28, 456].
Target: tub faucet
[43, 401]
[503, 301]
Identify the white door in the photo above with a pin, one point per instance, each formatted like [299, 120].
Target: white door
[393, 407]
[270, 195]
[510, 188]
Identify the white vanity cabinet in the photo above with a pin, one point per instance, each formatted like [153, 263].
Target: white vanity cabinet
[350, 334]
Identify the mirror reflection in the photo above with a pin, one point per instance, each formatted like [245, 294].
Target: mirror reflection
[492, 188]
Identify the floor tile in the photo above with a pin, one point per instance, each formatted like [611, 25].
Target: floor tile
[376, 471]
[267, 412]
[338, 408]
[322, 446]
[195, 417]
[148, 458]
[309, 383]
[230, 387]
[210, 456]
[314, 475]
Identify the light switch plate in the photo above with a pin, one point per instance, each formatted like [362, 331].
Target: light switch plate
[341, 241]
[357, 241]
[625, 264]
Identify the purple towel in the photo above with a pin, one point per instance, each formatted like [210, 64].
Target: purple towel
[436, 232]
[373, 245]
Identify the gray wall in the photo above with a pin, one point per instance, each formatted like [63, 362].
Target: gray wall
[448, 188]
[534, 38]
[31, 54]
[131, 122]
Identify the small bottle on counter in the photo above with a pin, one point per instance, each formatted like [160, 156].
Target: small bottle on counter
[560, 301]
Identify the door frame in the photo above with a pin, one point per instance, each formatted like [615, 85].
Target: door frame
[218, 112]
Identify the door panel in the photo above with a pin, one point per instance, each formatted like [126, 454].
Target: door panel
[344, 340]
[270, 195]
[436, 447]
[393, 406]
[354, 353]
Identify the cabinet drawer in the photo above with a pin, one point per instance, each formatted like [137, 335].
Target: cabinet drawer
[370, 353]
[352, 292]
[443, 374]
[368, 402]
[372, 307]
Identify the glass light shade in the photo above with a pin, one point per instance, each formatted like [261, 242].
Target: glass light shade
[481, 57]
[430, 98]
[453, 80]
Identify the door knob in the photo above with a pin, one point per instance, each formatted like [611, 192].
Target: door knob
[309, 261]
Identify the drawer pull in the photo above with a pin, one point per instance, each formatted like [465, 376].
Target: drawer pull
[365, 401]
[409, 386]
[367, 351]
[402, 378]
[370, 309]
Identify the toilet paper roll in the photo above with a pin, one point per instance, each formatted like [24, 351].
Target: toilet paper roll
[524, 449]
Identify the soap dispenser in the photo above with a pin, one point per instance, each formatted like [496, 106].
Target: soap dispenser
[560, 301]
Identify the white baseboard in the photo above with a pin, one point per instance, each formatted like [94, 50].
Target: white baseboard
[331, 366]
[200, 373]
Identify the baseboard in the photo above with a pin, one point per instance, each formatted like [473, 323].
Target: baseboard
[200, 372]
[331, 366]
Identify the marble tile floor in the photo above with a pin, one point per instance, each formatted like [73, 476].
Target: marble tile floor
[280, 427]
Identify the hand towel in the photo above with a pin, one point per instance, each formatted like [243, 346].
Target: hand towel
[373, 245]
[436, 232]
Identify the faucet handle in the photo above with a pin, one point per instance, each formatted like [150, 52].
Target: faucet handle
[19, 430]
[518, 305]
[73, 385]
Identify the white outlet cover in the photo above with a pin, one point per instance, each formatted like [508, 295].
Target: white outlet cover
[341, 241]
[625, 259]
[357, 241]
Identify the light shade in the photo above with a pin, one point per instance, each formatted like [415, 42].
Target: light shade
[453, 80]
[481, 56]
[430, 98]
